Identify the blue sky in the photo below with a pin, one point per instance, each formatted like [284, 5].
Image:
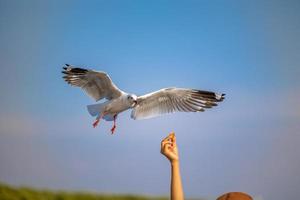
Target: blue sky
[246, 49]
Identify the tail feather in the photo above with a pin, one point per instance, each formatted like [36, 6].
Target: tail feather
[96, 109]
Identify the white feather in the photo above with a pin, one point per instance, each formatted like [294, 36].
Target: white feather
[96, 109]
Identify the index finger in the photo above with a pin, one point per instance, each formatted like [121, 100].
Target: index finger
[172, 134]
[166, 138]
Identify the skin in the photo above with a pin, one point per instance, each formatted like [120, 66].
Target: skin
[170, 151]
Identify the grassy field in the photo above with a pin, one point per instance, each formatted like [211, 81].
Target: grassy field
[13, 193]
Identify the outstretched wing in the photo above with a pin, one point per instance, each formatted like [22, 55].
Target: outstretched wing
[170, 100]
[96, 84]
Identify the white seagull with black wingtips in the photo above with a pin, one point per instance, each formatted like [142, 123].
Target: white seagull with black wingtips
[98, 85]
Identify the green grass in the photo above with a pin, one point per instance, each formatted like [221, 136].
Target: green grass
[24, 193]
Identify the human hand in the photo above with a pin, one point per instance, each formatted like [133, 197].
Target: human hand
[169, 148]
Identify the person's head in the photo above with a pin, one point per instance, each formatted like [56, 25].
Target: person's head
[235, 196]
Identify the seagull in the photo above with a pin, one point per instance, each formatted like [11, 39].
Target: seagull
[98, 85]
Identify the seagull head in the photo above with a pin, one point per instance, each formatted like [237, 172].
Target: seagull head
[132, 99]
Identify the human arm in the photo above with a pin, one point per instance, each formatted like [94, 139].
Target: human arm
[170, 150]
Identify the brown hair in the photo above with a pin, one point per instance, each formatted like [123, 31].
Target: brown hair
[235, 196]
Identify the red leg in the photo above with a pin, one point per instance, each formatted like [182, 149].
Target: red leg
[114, 126]
[97, 121]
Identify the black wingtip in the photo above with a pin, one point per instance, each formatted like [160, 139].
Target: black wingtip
[68, 69]
[222, 97]
[65, 70]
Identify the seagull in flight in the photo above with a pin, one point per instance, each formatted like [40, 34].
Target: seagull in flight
[98, 85]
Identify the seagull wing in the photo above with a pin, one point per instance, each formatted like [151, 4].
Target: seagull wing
[96, 84]
[170, 100]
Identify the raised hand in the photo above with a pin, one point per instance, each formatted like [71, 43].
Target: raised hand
[169, 148]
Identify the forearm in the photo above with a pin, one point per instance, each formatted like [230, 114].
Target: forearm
[176, 185]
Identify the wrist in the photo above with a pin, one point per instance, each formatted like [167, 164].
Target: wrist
[174, 162]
